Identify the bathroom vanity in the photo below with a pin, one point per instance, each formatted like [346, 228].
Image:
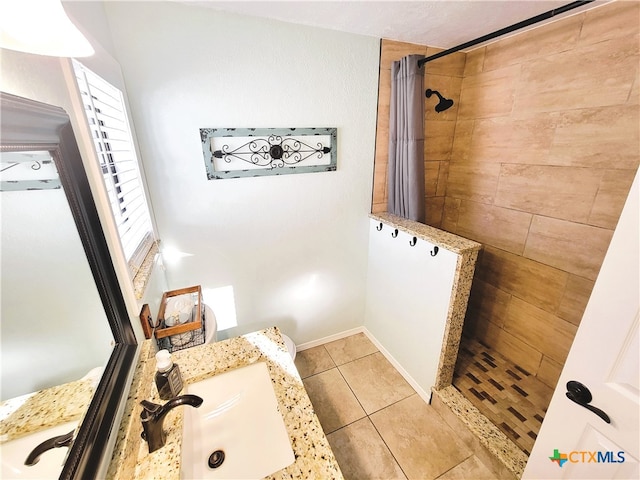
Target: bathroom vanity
[131, 458]
[313, 456]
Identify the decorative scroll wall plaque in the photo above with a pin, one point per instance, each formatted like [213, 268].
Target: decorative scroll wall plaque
[28, 170]
[255, 152]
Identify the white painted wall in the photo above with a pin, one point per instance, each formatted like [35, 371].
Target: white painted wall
[54, 329]
[293, 247]
[45, 79]
[48, 339]
[408, 298]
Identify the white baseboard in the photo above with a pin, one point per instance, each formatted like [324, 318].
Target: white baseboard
[330, 338]
[426, 396]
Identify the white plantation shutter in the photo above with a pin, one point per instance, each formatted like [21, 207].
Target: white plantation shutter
[107, 117]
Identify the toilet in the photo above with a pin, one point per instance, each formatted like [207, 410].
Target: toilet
[211, 331]
[291, 347]
[210, 325]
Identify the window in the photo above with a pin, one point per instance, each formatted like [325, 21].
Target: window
[107, 117]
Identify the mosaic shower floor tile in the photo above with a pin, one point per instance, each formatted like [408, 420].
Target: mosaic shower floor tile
[512, 398]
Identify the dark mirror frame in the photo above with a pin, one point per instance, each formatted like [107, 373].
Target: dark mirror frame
[27, 125]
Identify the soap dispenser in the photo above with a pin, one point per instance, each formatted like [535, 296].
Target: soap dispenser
[168, 378]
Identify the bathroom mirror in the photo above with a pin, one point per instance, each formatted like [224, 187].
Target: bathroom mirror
[42, 135]
[51, 335]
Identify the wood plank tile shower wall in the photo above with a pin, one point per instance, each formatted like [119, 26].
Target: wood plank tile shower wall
[535, 160]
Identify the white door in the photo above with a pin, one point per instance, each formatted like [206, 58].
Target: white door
[574, 441]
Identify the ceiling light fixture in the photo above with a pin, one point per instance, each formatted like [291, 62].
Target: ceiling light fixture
[41, 27]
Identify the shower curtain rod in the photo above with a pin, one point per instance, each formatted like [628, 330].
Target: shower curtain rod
[504, 31]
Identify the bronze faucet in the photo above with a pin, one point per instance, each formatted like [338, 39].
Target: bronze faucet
[55, 442]
[152, 416]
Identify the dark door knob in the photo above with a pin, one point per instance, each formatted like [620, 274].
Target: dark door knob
[579, 393]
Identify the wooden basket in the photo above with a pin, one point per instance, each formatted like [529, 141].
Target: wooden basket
[196, 323]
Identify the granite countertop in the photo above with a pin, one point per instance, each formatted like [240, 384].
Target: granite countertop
[44, 409]
[447, 240]
[314, 458]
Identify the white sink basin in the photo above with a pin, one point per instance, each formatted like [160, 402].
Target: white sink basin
[239, 416]
[15, 452]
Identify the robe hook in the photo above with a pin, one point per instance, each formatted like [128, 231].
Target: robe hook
[394, 234]
[379, 227]
[435, 251]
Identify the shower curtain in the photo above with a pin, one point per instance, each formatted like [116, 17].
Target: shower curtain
[406, 140]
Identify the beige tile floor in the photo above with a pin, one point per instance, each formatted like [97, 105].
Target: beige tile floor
[377, 425]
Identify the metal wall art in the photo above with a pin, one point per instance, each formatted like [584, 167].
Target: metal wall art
[254, 152]
[29, 170]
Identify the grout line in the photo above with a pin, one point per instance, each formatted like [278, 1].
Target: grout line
[385, 353]
[526, 240]
[368, 415]
[532, 404]
[458, 464]
[351, 390]
[388, 448]
[353, 360]
[392, 403]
